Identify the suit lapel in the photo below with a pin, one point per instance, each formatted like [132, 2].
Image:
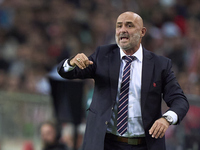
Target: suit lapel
[147, 72]
[114, 67]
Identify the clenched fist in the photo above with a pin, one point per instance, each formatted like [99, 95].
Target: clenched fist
[80, 60]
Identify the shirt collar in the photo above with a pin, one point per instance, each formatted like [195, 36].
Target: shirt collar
[137, 54]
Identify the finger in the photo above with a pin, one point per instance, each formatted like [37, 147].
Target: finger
[160, 131]
[82, 62]
[85, 57]
[91, 62]
[88, 62]
[152, 128]
[156, 130]
[75, 61]
[163, 133]
[79, 64]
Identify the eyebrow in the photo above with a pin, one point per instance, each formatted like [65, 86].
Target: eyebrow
[128, 22]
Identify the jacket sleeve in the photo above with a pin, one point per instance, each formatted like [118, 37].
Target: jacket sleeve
[78, 73]
[173, 94]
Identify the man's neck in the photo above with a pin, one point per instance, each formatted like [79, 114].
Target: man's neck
[130, 52]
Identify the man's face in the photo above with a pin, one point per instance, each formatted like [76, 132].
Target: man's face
[48, 134]
[128, 31]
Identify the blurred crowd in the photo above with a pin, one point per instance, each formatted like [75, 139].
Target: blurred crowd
[36, 35]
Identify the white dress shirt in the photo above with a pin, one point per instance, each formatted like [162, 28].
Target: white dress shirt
[135, 125]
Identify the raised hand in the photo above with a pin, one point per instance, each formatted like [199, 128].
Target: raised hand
[81, 60]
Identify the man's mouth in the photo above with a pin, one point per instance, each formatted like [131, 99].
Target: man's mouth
[123, 38]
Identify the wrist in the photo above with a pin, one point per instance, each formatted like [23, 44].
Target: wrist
[168, 118]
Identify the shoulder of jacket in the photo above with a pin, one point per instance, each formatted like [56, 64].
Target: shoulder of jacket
[155, 56]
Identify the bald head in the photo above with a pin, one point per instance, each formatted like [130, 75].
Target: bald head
[132, 17]
[129, 32]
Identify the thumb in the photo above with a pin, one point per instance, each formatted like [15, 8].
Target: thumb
[90, 63]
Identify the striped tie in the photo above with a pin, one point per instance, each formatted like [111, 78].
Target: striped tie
[122, 119]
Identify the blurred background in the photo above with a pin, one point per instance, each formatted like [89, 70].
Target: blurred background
[36, 35]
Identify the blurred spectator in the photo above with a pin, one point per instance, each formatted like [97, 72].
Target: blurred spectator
[50, 136]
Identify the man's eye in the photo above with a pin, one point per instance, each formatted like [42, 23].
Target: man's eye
[130, 26]
[119, 26]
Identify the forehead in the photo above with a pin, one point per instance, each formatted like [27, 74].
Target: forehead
[127, 17]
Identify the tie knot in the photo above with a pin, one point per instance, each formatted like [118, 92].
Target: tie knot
[129, 59]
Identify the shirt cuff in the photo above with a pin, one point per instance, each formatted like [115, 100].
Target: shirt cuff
[173, 115]
[67, 67]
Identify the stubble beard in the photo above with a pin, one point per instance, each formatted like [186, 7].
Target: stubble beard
[134, 41]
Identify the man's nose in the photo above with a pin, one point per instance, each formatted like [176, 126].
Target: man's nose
[123, 29]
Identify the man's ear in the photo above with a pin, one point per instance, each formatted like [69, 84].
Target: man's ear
[144, 30]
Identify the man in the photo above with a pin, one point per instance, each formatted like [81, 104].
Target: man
[130, 83]
[50, 137]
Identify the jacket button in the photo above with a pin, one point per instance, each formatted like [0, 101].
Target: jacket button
[112, 108]
[106, 122]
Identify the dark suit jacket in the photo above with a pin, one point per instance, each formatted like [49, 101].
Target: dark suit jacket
[105, 72]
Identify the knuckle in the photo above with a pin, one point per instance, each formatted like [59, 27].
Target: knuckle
[153, 128]
[79, 54]
[156, 129]
[159, 131]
